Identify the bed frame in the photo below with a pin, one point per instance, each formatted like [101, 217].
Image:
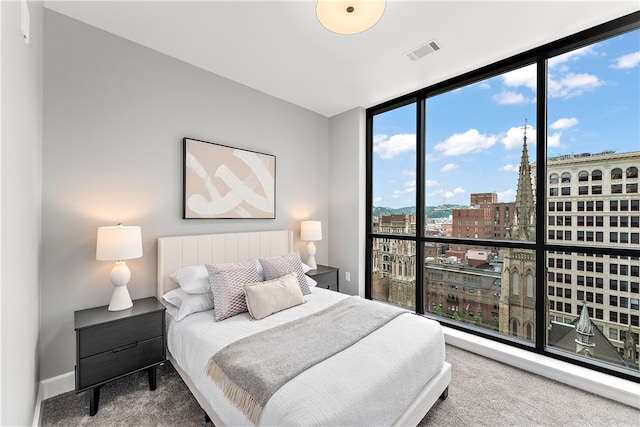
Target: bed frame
[181, 251]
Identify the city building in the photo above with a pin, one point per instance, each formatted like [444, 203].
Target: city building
[593, 199]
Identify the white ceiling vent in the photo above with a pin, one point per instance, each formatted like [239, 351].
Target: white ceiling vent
[423, 50]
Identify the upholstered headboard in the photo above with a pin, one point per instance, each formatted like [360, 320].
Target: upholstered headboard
[180, 251]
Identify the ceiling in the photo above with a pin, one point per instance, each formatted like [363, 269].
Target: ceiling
[280, 48]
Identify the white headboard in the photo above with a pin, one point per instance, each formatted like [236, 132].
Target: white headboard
[181, 251]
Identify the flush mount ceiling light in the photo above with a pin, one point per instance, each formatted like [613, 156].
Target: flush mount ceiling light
[349, 16]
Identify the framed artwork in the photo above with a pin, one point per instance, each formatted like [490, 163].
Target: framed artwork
[226, 182]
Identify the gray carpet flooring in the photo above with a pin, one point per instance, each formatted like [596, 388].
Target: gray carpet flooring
[482, 393]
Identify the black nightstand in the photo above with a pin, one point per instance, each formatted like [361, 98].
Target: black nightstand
[112, 344]
[327, 277]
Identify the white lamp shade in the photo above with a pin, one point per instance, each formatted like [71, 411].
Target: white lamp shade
[311, 231]
[351, 16]
[118, 243]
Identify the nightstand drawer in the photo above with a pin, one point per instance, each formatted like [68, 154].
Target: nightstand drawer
[327, 281]
[119, 361]
[108, 336]
[327, 277]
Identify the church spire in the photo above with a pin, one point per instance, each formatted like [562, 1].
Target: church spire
[584, 333]
[524, 219]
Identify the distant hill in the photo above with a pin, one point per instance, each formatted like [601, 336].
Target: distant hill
[441, 211]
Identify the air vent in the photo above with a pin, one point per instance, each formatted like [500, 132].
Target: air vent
[423, 50]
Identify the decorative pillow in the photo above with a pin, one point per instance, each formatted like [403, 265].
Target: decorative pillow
[193, 279]
[187, 304]
[226, 285]
[266, 298]
[278, 266]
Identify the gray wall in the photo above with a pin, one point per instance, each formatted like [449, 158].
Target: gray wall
[20, 212]
[115, 114]
[347, 198]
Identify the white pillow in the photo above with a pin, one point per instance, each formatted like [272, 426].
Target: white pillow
[172, 310]
[305, 268]
[310, 281]
[266, 298]
[193, 279]
[187, 304]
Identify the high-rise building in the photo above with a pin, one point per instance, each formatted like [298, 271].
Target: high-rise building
[593, 200]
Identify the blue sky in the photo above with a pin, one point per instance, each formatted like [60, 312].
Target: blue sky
[474, 134]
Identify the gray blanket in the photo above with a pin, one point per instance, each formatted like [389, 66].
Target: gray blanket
[252, 369]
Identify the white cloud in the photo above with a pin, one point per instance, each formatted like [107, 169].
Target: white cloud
[630, 60]
[409, 172]
[407, 187]
[389, 147]
[554, 140]
[573, 55]
[448, 167]
[572, 84]
[377, 199]
[431, 183]
[509, 168]
[470, 141]
[509, 98]
[562, 83]
[515, 136]
[448, 195]
[564, 123]
[484, 85]
[525, 76]
[507, 195]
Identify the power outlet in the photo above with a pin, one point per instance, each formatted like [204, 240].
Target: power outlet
[347, 276]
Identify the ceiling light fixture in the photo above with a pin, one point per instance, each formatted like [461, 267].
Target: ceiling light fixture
[350, 16]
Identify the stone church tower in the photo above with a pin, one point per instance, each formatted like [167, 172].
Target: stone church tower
[517, 299]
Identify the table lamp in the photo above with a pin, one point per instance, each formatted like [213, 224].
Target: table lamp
[311, 231]
[118, 244]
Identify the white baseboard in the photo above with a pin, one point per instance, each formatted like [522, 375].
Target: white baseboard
[52, 387]
[614, 388]
[57, 385]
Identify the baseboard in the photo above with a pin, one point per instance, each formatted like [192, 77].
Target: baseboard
[57, 385]
[614, 388]
[37, 411]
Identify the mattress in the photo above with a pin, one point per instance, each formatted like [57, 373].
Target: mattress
[370, 383]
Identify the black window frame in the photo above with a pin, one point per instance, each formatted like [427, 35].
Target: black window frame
[538, 56]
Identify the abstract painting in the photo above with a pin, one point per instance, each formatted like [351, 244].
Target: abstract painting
[226, 182]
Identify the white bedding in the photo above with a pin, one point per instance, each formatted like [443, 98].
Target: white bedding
[370, 383]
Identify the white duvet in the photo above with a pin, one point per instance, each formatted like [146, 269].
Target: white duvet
[370, 383]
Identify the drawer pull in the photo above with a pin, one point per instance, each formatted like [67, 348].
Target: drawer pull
[124, 347]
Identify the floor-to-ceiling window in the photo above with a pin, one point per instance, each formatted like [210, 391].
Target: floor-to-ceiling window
[505, 201]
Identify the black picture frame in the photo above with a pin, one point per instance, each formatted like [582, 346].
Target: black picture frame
[223, 182]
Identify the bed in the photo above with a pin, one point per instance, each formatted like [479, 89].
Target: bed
[392, 376]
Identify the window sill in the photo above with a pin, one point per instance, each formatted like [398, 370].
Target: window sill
[608, 386]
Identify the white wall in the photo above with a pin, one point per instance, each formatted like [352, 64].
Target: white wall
[347, 198]
[20, 211]
[115, 114]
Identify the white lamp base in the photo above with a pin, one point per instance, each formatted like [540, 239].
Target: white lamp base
[120, 299]
[311, 261]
